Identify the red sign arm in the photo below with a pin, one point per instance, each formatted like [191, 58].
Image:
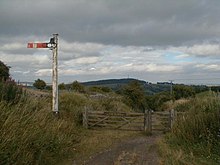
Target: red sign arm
[37, 45]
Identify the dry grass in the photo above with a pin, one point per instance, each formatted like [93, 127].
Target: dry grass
[167, 106]
[94, 142]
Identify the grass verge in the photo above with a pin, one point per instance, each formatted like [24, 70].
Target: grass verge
[194, 139]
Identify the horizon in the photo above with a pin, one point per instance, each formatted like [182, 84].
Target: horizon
[175, 82]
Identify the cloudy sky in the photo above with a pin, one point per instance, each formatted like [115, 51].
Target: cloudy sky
[152, 40]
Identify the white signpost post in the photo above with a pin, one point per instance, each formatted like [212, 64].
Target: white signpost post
[52, 45]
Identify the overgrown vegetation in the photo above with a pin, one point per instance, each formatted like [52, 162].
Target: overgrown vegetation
[195, 136]
[30, 134]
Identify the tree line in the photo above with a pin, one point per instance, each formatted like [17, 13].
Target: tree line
[134, 93]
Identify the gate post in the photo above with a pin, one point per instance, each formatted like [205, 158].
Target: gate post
[85, 118]
[149, 118]
[147, 121]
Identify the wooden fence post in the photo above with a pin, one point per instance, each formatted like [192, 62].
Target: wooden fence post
[147, 121]
[85, 118]
[172, 118]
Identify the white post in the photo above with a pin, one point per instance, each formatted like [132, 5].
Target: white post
[55, 76]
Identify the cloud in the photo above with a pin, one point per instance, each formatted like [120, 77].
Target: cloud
[209, 67]
[182, 56]
[74, 50]
[205, 49]
[82, 61]
[101, 38]
[113, 22]
[43, 72]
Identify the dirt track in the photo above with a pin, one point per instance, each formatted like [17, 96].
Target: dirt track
[140, 150]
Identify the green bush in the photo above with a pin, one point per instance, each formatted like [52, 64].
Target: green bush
[10, 92]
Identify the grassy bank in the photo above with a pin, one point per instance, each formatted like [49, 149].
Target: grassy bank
[195, 138]
[31, 134]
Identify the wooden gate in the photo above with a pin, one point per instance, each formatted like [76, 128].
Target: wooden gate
[148, 121]
[161, 121]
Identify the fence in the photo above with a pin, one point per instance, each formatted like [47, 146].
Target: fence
[147, 121]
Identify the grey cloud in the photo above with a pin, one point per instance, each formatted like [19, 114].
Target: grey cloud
[129, 22]
[112, 38]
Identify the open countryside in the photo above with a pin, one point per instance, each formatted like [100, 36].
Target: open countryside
[109, 82]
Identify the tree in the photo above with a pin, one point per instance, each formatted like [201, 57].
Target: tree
[39, 84]
[183, 91]
[100, 89]
[135, 96]
[156, 101]
[4, 71]
[62, 86]
[77, 87]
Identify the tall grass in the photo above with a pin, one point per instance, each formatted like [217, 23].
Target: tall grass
[197, 132]
[30, 134]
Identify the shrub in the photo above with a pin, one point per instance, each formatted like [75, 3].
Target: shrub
[10, 92]
[4, 72]
[156, 101]
[39, 84]
[183, 91]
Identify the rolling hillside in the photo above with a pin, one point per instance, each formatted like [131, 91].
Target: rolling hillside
[116, 84]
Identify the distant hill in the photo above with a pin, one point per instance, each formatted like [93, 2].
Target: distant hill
[116, 84]
[112, 81]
